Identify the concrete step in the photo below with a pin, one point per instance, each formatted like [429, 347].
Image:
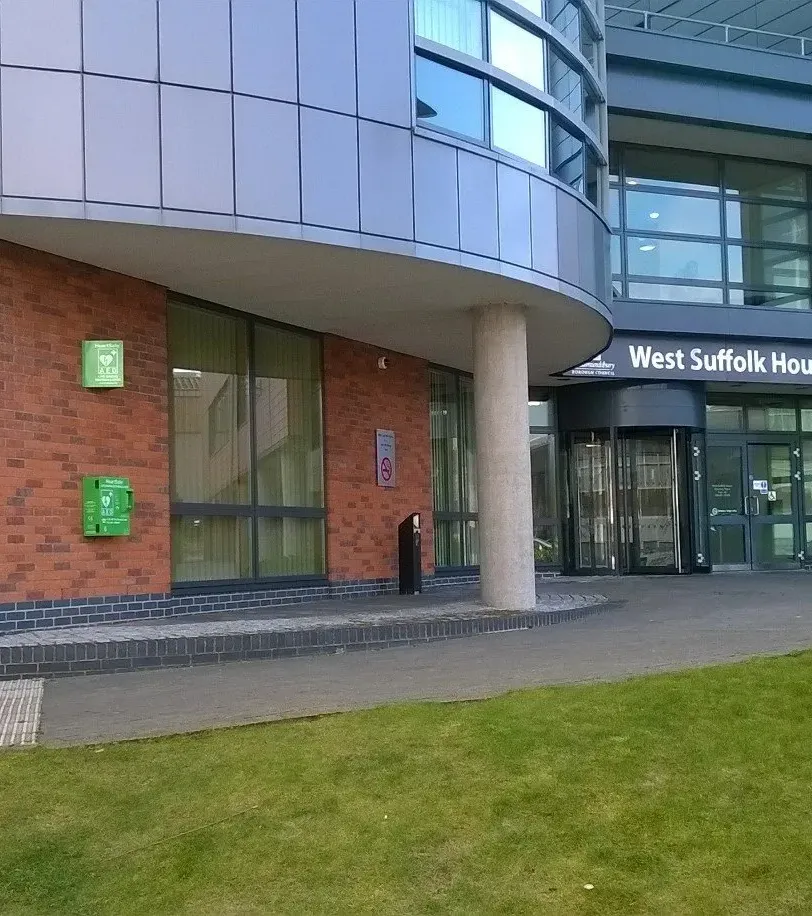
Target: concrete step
[106, 648]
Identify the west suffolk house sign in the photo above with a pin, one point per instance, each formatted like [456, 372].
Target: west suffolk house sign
[707, 359]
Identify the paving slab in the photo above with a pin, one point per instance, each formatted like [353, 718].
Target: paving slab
[657, 624]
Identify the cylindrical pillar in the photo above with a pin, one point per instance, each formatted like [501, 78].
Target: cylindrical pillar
[505, 508]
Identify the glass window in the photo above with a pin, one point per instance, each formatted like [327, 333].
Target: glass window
[567, 157]
[766, 223]
[468, 445]
[221, 441]
[727, 545]
[776, 299]
[806, 426]
[668, 169]
[450, 99]
[566, 17]
[516, 51]
[726, 418]
[454, 23]
[540, 412]
[765, 179]
[674, 292]
[566, 85]
[544, 490]
[445, 446]
[615, 255]
[287, 399]
[677, 260]
[614, 163]
[768, 267]
[648, 211]
[771, 418]
[518, 128]
[290, 546]
[614, 208]
[207, 547]
[448, 544]
[593, 178]
[210, 437]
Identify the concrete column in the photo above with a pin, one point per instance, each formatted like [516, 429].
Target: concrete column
[503, 458]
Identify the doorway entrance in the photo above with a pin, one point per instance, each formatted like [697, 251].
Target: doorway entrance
[754, 502]
[628, 505]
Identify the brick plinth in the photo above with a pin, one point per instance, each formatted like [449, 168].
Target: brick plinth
[53, 432]
[362, 518]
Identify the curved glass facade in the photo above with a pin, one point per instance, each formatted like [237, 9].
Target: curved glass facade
[522, 84]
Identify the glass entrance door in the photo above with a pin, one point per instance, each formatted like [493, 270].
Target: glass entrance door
[754, 502]
[772, 503]
[649, 503]
[591, 469]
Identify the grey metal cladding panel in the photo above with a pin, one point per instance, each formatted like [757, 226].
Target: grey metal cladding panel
[479, 225]
[638, 89]
[122, 149]
[327, 54]
[384, 54]
[42, 133]
[121, 38]
[41, 33]
[568, 260]
[436, 211]
[386, 180]
[514, 215]
[194, 41]
[603, 270]
[266, 136]
[329, 169]
[586, 250]
[196, 150]
[544, 228]
[263, 36]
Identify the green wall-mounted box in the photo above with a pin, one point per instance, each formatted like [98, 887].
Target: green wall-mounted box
[103, 363]
[107, 503]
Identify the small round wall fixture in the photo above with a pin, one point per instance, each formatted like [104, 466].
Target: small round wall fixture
[383, 362]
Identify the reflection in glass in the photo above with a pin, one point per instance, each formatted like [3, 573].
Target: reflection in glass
[677, 260]
[450, 99]
[447, 543]
[210, 547]
[445, 455]
[566, 17]
[290, 546]
[776, 299]
[773, 464]
[210, 432]
[543, 480]
[566, 157]
[647, 496]
[614, 208]
[725, 465]
[540, 412]
[471, 542]
[516, 51]
[288, 418]
[668, 169]
[768, 266]
[648, 211]
[774, 543]
[727, 545]
[468, 445]
[674, 292]
[771, 418]
[518, 128]
[765, 179]
[592, 470]
[767, 223]
[565, 84]
[454, 23]
[806, 426]
[725, 418]
[615, 255]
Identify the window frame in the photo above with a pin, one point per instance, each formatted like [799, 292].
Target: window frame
[251, 510]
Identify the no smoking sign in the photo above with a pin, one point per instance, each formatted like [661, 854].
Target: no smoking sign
[386, 466]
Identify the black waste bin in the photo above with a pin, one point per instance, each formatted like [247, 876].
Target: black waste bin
[409, 565]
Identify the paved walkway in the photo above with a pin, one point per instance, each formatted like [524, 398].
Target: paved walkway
[665, 623]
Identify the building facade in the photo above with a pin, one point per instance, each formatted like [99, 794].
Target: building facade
[482, 261]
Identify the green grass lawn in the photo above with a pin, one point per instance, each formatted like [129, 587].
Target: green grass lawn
[687, 793]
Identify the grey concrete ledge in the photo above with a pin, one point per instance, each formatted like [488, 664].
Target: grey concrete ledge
[110, 648]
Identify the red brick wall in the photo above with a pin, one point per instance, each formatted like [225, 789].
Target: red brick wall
[362, 518]
[53, 432]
